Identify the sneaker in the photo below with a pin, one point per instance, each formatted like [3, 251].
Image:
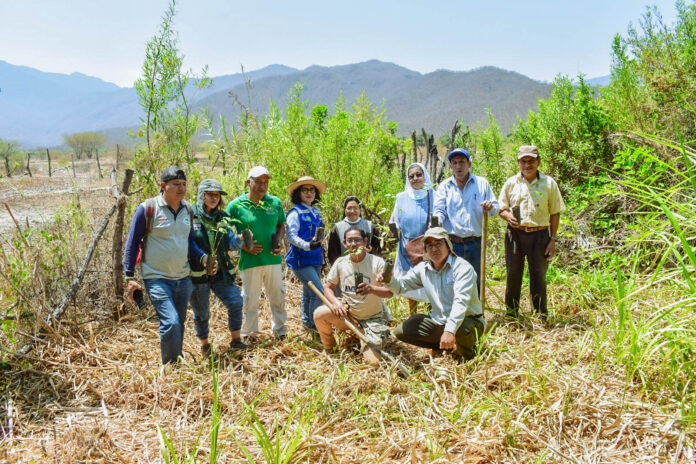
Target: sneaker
[238, 344]
[205, 350]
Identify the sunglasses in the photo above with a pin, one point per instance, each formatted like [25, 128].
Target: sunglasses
[415, 175]
[308, 190]
[354, 240]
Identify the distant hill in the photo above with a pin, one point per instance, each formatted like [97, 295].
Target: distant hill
[599, 81]
[433, 101]
[37, 107]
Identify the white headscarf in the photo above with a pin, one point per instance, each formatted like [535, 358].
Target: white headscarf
[418, 194]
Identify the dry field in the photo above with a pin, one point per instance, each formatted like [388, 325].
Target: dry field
[93, 390]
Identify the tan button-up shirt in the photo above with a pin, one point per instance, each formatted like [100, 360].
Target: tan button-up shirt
[537, 200]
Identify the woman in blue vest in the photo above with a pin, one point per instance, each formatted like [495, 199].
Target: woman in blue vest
[306, 254]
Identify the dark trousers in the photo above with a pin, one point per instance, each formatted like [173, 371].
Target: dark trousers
[471, 252]
[532, 245]
[422, 331]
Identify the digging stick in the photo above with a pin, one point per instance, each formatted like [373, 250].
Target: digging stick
[484, 237]
[361, 335]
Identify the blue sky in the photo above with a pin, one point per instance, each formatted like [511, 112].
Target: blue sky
[106, 38]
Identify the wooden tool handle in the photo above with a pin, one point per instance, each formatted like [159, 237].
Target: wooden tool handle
[360, 334]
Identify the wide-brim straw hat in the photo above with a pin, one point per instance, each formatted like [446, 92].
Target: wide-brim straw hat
[306, 180]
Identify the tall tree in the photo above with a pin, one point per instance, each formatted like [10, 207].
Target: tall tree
[84, 143]
[168, 123]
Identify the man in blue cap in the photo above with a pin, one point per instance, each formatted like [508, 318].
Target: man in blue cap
[460, 202]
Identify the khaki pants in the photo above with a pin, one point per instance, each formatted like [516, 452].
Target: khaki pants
[271, 277]
[326, 320]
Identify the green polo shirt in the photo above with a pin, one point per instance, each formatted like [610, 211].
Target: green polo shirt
[262, 219]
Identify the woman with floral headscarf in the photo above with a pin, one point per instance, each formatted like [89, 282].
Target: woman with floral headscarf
[412, 211]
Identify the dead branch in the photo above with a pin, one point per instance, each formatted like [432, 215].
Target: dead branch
[70, 295]
[21, 234]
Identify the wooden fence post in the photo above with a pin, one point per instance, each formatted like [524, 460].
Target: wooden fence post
[48, 155]
[117, 247]
[96, 151]
[27, 167]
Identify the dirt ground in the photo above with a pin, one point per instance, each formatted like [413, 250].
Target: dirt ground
[36, 199]
[93, 389]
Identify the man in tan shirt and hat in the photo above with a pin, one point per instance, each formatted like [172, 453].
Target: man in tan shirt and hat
[531, 204]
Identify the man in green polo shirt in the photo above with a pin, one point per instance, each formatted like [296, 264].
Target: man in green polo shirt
[260, 265]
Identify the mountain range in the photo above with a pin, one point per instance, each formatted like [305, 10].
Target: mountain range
[37, 107]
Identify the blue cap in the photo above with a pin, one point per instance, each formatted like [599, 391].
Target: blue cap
[459, 151]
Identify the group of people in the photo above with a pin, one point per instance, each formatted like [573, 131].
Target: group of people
[183, 254]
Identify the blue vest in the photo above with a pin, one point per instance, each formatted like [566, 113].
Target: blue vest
[296, 257]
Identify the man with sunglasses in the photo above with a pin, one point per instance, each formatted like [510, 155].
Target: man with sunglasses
[531, 203]
[356, 275]
[456, 320]
[460, 203]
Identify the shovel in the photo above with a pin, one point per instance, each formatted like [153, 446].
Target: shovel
[386, 356]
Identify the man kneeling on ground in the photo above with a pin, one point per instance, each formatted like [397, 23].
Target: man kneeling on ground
[356, 275]
[456, 320]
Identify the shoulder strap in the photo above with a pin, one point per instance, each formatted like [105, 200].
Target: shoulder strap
[149, 220]
[190, 211]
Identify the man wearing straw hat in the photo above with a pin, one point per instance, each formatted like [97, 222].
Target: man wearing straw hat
[460, 203]
[260, 264]
[531, 204]
[456, 320]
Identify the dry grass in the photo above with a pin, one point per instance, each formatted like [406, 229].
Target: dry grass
[94, 391]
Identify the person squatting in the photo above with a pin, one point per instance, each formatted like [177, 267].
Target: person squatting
[182, 252]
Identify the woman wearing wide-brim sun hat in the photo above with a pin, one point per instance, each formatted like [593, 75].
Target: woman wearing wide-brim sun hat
[305, 234]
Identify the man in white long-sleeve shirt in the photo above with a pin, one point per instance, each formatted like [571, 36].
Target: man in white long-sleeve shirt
[456, 320]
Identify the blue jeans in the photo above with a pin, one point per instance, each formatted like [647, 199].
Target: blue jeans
[471, 252]
[230, 296]
[310, 301]
[170, 299]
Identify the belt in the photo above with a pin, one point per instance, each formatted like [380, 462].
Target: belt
[530, 229]
[457, 239]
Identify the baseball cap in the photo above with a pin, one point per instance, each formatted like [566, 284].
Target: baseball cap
[459, 151]
[171, 173]
[258, 171]
[528, 150]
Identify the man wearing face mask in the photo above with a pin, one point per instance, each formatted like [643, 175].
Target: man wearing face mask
[262, 214]
[460, 203]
